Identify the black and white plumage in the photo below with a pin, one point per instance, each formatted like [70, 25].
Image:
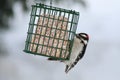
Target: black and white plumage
[78, 50]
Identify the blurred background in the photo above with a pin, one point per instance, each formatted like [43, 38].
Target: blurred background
[99, 18]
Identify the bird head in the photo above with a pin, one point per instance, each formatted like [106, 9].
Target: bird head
[83, 37]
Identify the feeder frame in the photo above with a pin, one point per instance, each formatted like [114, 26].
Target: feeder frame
[36, 14]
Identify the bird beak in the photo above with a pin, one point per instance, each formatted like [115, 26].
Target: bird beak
[77, 35]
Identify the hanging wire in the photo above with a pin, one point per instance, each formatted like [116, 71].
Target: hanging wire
[50, 2]
[37, 1]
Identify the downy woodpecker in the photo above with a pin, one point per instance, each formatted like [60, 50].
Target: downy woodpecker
[78, 51]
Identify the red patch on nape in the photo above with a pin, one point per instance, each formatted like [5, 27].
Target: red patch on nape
[88, 36]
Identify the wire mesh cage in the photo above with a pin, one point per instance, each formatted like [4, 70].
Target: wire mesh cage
[51, 31]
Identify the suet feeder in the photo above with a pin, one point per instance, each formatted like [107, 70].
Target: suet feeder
[51, 31]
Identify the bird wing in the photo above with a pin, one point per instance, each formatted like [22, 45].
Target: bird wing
[81, 54]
